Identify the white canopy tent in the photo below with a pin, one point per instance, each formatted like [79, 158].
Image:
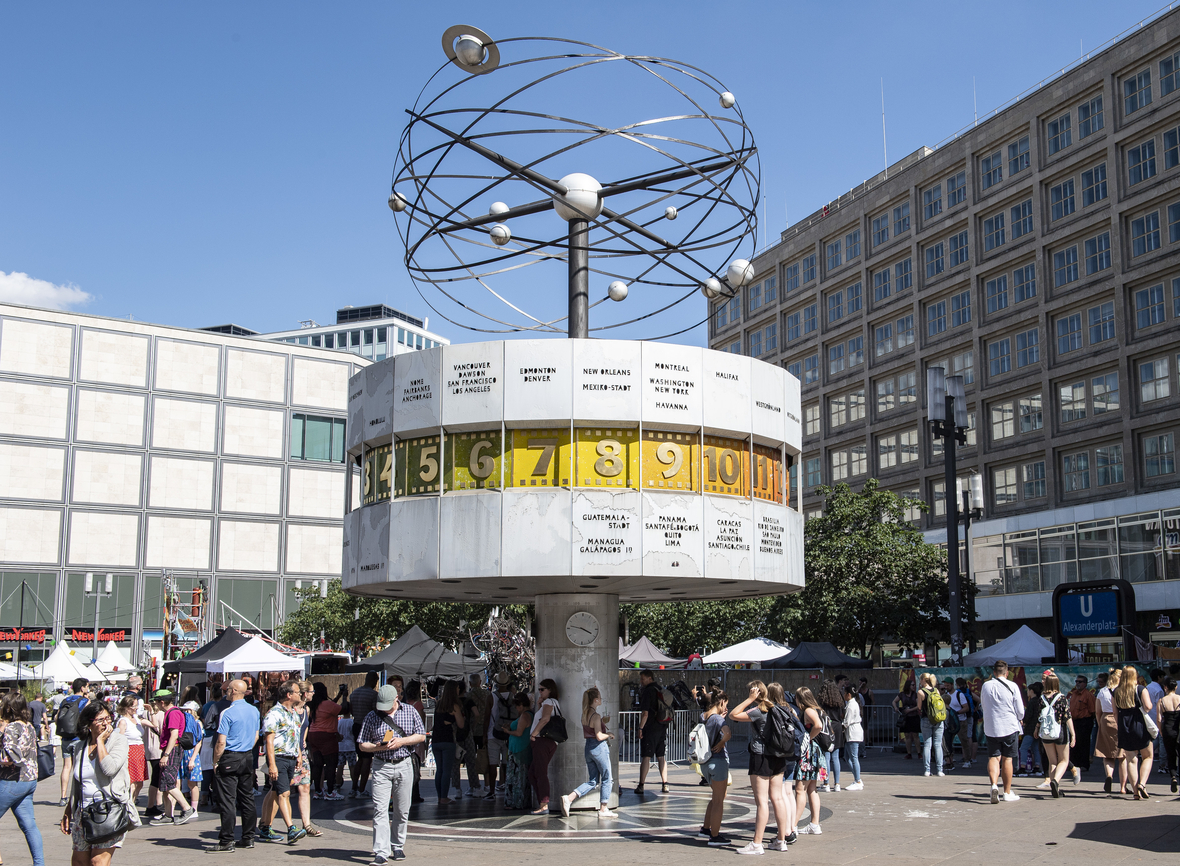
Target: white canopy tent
[1023, 647]
[8, 672]
[63, 667]
[113, 662]
[252, 656]
[758, 649]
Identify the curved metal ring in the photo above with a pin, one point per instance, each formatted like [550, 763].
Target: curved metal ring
[448, 44]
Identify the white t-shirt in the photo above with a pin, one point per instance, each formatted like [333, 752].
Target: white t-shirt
[1105, 699]
[548, 702]
[960, 704]
[131, 731]
[1003, 710]
[344, 727]
[90, 789]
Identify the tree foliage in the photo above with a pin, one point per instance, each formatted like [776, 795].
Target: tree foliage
[365, 625]
[681, 627]
[870, 576]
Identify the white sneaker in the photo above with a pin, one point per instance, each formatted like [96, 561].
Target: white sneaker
[1043, 785]
[826, 788]
[941, 773]
[751, 848]
[837, 787]
[565, 805]
[607, 813]
[856, 786]
[995, 794]
[812, 830]
[779, 845]
[1010, 797]
[927, 773]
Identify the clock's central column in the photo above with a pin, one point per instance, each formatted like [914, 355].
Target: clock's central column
[576, 662]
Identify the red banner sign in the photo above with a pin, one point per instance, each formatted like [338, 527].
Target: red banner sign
[80, 636]
[28, 635]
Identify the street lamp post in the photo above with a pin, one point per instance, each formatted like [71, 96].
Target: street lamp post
[99, 591]
[971, 496]
[947, 405]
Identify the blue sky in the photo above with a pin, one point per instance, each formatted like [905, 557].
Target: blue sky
[193, 164]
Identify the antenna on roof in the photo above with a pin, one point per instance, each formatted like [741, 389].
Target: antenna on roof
[884, 142]
[974, 101]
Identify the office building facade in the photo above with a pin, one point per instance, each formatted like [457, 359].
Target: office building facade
[375, 332]
[1036, 255]
[131, 449]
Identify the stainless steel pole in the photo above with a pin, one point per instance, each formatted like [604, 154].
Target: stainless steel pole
[579, 269]
[97, 598]
[952, 535]
[19, 630]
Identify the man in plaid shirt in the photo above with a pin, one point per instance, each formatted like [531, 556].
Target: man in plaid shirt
[389, 734]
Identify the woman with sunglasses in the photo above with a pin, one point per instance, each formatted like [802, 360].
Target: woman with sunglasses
[18, 769]
[101, 772]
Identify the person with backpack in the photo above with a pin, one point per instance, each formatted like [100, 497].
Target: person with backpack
[191, 762]
[174, 739]
[390, 733]
[932, 709]
[854, 734]
[655, 714]
[811, 751]
[1054, 729]
[792, 741]
[769, 745]
[964, 706]
[66, 721]
[707, 742]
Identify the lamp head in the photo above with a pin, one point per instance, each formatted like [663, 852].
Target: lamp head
[936, 393]
[954, 388]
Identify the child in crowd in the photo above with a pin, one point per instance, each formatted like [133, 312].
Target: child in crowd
[347, 750]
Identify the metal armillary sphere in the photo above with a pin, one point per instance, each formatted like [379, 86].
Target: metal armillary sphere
[524, 168]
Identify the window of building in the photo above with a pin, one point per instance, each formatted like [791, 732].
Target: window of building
[1172, 148]
[1003, 420]
[1105, 389]
[795, 368]
[1022, 219]
[881, 288]
[1097, 253]
[993, 232]
[999, 356]
[1004, 485]
[835, 359]
[907, 391]
[1073, 402]
[883, 337]
[932, 202]
[1028, 350]
[835, 306]
[908, 446]
[1069, 333]
[1101, 319]
[1145, 234]
[852, 245]
[991, 169]
[935, 318]
[849, 462]
[1062, 199]
[886, 398]
[905, 331]
[834, 254]
[1169, 67]
[811, 419]
[1174, 223]
[997, 293]
[755, 341]
[1089, 117]
[771, 336]
[1176, 298]
[1153, 380]
[935, 260]
[809, 269]
[735, 348]
[963, 365]
[1159, 455]
[1149, 306]
[1018, 159]
[1141, 162]
[1137, 92]
[903, 275]
[791, 277]
[1065, 266]
[856, 351]
[316, 438]
[961, 308]
[901, 219]
[793, 325]
[1108, 460]
[1094, 185]
[811, 369]
[1032, 478]
[956, 189]
[1024, 283]
[846, 408]
[853, 294]
[1060, 133]
[753, 298]
[771, 289]
[1030, 413]
[880, 229]
[810, 318]
[958, 249]
[814, 472]
[1075, 471]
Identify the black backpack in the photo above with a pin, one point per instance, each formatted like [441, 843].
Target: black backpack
[778, 734]
[68, 716]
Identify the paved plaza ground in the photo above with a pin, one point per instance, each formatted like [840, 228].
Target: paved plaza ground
[900, 818]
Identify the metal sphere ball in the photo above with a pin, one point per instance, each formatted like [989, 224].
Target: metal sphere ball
[617, 290]
[397, 202]
[501, 234]
[581, 200]
[497, 208]
[670, 213]
[727, 100]
[469, 50]
[711, 288]
[739, 273]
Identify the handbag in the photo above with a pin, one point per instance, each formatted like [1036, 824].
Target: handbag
[103, 818]
[555, 728]
[1153, 730]
[46, 766]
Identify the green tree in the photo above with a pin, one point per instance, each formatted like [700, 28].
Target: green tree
[681, 627]
[363, 624]
[870, 576]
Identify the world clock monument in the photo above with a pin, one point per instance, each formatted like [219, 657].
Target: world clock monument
[572, 473]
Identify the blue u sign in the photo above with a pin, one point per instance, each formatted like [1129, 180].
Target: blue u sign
[1090, 614]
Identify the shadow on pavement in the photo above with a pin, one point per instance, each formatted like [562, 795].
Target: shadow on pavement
[1159, 834]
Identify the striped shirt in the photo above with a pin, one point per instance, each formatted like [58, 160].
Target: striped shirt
[376, 724]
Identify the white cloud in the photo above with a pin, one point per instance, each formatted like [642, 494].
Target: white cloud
[18, 288]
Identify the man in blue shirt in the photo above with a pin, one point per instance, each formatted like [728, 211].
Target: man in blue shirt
[233, 764]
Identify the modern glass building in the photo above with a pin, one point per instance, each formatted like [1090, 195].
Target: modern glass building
[1036, 255]
[375, 332]
[135, 449]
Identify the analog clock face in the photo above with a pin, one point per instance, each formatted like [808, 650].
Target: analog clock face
[581, 628]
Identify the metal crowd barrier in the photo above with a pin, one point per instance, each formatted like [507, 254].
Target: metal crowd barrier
[628, 732]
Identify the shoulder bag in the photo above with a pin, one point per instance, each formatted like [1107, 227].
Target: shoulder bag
[555, 728]
[1153, 730]
[103, 818]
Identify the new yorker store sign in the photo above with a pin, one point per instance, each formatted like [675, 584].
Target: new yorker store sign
[28, 635]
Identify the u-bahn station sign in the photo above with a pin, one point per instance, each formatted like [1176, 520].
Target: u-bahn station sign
[503, 470]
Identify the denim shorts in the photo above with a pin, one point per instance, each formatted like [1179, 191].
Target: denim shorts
[716, 769]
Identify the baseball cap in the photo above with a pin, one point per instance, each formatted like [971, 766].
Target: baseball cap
[191, 705]
[163, 693]
[386, 697]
